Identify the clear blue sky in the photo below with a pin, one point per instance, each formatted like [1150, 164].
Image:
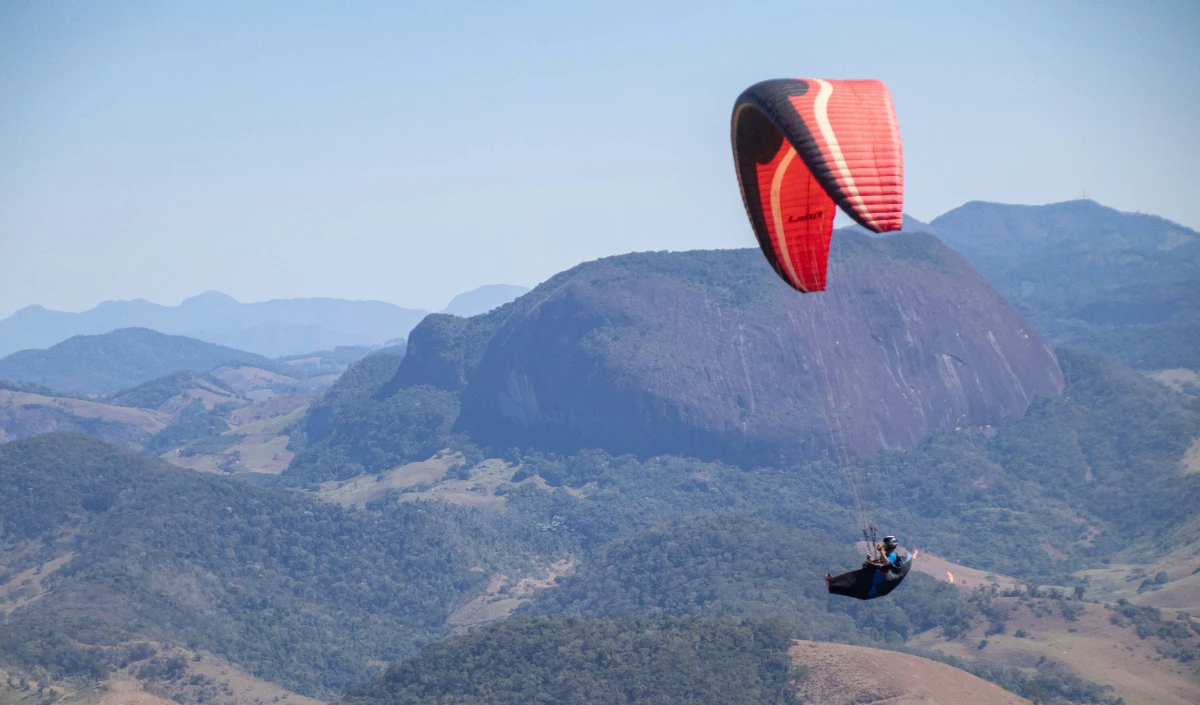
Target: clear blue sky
[407, 151]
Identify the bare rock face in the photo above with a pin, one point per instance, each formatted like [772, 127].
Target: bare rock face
[707, 354]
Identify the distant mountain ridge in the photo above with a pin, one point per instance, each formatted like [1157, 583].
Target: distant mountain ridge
[483, 299]
[1124, 285]
[124, 358]
[275, 328]
[908, 224]
[270, 328]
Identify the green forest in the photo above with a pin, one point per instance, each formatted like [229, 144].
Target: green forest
[596, 661]
[295, 590]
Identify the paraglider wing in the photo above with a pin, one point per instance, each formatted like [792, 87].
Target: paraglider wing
[802, 147]
[869, 581]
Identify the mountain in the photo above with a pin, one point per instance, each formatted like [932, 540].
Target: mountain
[108, 363]
[908, 224]
[483, 299]
[708, 354]
[271, 328]
[1126, 285]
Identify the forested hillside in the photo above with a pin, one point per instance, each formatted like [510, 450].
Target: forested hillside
[596, 661]
[356, 428]
[732, 564]
[293, 590]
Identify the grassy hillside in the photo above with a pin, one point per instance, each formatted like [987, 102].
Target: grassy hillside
[1054, 644]
[233, 420]
[24, 414]
[840, 674]
[157, 392]
[153, 674]
[182, 414]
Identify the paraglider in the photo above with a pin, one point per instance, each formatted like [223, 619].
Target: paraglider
[879, 574]
[804, 147]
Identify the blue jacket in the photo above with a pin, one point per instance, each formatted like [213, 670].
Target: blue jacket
[882, 573]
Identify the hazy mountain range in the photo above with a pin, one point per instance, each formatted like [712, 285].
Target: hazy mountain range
[271, 328]
[111, 362]
[632, 479]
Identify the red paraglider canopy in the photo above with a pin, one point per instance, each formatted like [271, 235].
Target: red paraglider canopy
[848, 143]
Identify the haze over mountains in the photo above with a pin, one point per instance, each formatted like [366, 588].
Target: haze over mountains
[483, 299]
[270, 328]
[627, 479]
[109, 363]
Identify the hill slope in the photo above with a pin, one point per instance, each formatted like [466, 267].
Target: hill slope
[109, 363]
[24, 414]
[594, 661]
[1125, 285]
[272, 328]
[234, 419]
[293, 590]
[839, 674]
[708, 354]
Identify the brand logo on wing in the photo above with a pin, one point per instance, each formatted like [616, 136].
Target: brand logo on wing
[806, 216]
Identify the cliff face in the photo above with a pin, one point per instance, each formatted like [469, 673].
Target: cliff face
[707, 354]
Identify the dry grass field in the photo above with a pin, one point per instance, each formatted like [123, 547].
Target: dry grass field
[211, 678]
[25, 414]
[838, 674]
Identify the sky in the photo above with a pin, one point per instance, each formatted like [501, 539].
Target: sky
[409, 151]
